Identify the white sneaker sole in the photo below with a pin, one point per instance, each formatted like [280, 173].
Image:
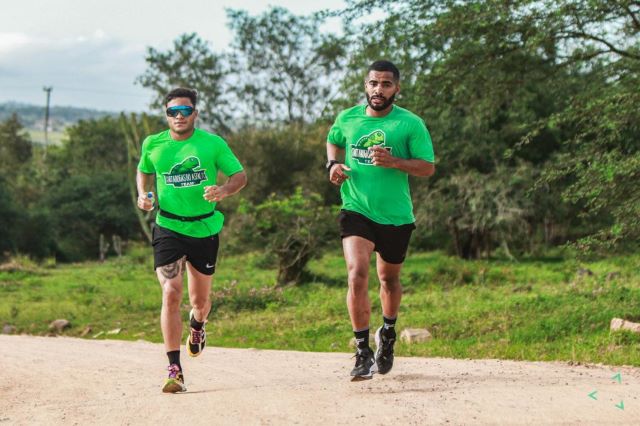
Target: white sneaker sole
[174, 386]
[378, 339]
[373, 369]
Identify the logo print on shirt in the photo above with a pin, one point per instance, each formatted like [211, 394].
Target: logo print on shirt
[360, 150]
[185, 173]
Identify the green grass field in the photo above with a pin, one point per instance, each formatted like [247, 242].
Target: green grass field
[55, 137]
[527, 310]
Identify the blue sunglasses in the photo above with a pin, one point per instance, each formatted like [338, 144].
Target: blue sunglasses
[183, 110]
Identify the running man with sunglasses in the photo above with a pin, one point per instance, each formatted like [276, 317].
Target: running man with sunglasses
[381, 144]
[184, 162]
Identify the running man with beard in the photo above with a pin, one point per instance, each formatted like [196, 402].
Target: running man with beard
[184, 162]
[381, 144]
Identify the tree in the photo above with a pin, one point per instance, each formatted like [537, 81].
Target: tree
[16, 154]
[15, 145]
[191, 64]
[599, 165]
[599, 161]
[91, 146]
[475, 73]
[584, 30]
[83, 207]
[87, 190]
[8, 217]
[481, 211]
[134, 130]
[294, 227]
[19, 188]
[282, 158]
[487, 74]
[286, 67]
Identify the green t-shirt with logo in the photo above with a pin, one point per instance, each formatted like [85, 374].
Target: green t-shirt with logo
[379, 193]
[183, 169]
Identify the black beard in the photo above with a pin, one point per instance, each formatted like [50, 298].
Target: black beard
[382, 107]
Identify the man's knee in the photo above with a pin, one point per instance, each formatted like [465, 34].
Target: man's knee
[200, 302]
[358, 272]
[358, 278]
[389, 282]
[171, 295]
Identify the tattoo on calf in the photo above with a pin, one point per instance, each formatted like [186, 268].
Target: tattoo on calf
[172, 270]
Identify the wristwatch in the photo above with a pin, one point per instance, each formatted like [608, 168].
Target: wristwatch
[330, 164]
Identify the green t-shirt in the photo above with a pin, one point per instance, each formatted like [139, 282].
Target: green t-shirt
[379, 193]
[183, 169]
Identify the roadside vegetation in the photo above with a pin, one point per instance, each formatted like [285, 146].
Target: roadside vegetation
[533, 309]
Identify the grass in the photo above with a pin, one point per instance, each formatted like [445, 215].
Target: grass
[54, 137]
[527, 310]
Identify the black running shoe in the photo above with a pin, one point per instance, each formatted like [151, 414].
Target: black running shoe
[384, 351]
[365, 365]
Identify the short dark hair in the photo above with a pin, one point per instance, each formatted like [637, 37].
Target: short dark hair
[383, 65]
[182, 92]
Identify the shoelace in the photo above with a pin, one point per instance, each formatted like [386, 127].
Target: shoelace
[174, 370]
[387, 346]
[360, 357]
[197, 336]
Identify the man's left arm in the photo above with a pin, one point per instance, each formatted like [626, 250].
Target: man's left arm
[216, 193]
[413, 166]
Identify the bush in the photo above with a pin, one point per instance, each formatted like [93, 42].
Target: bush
[8, 215]
[83, 207]
[295, 228]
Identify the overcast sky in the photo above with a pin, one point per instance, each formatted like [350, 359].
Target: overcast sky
[91, 51]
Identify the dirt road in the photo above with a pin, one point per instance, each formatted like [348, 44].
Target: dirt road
[74, 381]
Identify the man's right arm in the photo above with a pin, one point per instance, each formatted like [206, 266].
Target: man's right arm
[337, 173]
[143, 181]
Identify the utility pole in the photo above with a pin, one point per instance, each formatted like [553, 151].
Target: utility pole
[47, 89]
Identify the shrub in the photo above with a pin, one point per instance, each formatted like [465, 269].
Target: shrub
[295, 228]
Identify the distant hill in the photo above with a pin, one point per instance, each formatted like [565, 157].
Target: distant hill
[32, 116]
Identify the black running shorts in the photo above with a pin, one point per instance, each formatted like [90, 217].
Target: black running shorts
[169, 246]
[391, 241]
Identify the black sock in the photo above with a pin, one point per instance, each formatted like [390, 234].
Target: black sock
[174, 358]
[389, 327]
[362, 338]
[196, 325]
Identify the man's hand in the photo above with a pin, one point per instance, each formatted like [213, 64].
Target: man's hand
[215, 193]
[381, 157]
[337, 173]
[144, 202]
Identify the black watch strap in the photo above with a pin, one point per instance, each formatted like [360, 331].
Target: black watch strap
[330, 164]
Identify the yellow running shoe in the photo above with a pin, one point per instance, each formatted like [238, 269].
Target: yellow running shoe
[175, 381]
